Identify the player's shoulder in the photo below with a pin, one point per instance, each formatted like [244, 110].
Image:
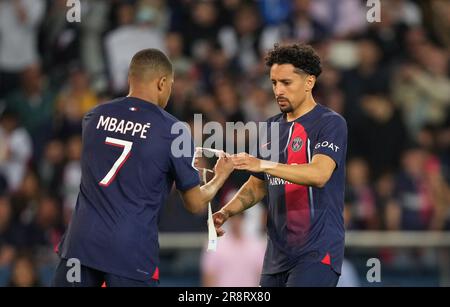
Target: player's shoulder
[275, 118]
[328, 116]
[104, 106]
[136, 105]
[168, 118]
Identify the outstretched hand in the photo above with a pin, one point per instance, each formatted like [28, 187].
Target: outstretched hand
[244, 161]
[224, 166]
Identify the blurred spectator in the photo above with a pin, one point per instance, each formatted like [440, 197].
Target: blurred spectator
[216, 66]
[7, 233]
[155, 10]
[420, 193]
[181, 64]
[134, 32]
[186, 76]
[246, 39]
[435, 139]
[443, 147]
[207, 104]
[405, 11]
[73, 102]
[228, 268]
[199, 29]
[15, 150]
[335, 100]
[25, 200]
[71, 176]
[39, 235]
[3, 185]
[228, 100]
[415, 39]
[180, 104]
[259, 105]
[344, 18]
[60, 40]
[302, 25]
[34, 105]
[46, 228]
[360, 197]
[437, 18]
[385, 199]
[274, 12]
[422, 89]
[51, 166]
[24, 273]
[19, 20]
[95, 23]
[379, 128]
[368, 76]
[328, 90]
[388, 34]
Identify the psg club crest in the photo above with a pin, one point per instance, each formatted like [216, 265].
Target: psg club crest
[297, 144]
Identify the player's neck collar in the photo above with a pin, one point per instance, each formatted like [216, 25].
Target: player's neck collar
[305, 116]
[143, 103]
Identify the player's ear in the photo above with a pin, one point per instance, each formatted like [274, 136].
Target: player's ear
[161, 83]
[310, 82]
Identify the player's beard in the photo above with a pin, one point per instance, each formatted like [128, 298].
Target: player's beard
[286, 107]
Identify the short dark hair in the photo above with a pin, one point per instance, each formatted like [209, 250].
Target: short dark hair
[302, 56]
[149, 62]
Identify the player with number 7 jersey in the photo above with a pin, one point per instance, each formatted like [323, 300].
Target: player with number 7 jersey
[128, 169]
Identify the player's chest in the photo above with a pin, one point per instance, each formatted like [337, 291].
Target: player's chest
[293, 143]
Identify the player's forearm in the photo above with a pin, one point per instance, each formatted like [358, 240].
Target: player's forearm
[196, 199]
[248, 196]
[210, 189]
[303, 174]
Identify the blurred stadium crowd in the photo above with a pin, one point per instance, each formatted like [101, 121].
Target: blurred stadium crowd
[389, 79]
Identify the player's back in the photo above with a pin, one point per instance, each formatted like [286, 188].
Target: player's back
[127, 173]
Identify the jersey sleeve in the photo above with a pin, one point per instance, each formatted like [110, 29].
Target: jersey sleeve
[332, 139]
[186, 176]
[86, 119]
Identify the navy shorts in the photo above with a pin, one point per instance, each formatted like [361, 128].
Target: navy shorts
[302, 275]
[94, 278]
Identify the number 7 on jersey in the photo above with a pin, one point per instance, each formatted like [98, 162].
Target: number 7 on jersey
[126, 145]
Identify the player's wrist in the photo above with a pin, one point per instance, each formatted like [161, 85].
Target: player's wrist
[265, 166]
[226, 213]
[221, 177]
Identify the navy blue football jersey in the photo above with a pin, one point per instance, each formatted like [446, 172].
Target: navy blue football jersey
[128, 170]
[305, 224]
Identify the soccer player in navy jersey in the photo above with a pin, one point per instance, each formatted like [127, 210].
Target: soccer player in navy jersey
[128, 169]
[305, 185]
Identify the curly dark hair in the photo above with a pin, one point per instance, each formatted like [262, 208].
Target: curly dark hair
[302, 56]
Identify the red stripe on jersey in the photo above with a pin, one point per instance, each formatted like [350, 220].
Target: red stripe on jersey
[296, 196]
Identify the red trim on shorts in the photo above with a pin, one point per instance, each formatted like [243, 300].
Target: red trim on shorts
[155, 275]
[327, 259]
